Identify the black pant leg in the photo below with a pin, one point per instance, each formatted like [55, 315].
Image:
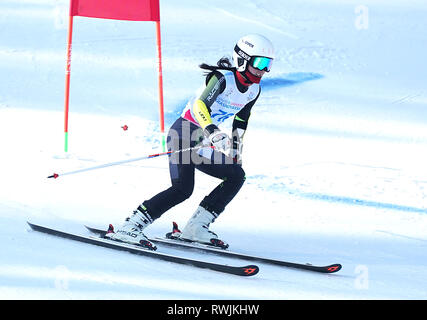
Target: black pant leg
[232, 176]
[181, 169]
[181, 189]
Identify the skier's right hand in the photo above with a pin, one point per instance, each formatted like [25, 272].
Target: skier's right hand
[218, 139]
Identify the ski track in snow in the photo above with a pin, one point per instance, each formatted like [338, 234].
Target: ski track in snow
[334, 153]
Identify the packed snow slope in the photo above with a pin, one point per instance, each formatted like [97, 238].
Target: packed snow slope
[334, 155]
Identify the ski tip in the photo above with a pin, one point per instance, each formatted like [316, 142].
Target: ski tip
[90, 228]
[333, 268]
[250, 270]
[35, 227]
[99, 232]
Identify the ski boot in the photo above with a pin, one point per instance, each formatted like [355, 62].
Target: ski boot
[197, 229]
[131, 230]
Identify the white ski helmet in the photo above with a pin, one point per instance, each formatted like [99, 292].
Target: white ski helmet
[250, 47]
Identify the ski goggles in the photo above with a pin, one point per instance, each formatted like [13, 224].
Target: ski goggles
[261, 63]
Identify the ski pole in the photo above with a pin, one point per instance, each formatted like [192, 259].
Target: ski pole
[56, 175]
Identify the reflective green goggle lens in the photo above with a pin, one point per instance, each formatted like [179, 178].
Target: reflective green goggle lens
[262, 63]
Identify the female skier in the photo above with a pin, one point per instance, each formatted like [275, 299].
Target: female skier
[229, 91]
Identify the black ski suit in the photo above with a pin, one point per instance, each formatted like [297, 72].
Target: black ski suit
[184, 134]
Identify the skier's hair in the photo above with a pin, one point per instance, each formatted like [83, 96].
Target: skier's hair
[223, 64]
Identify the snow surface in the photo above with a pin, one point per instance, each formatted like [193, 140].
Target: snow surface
[335, 153]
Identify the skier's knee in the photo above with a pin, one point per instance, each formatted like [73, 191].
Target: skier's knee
[239, 174]
[183, 193]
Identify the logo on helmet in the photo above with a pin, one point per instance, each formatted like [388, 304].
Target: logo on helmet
[244, 55]
[249, 44]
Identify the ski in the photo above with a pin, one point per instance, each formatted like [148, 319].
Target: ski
[218, 251]
[249, 270]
